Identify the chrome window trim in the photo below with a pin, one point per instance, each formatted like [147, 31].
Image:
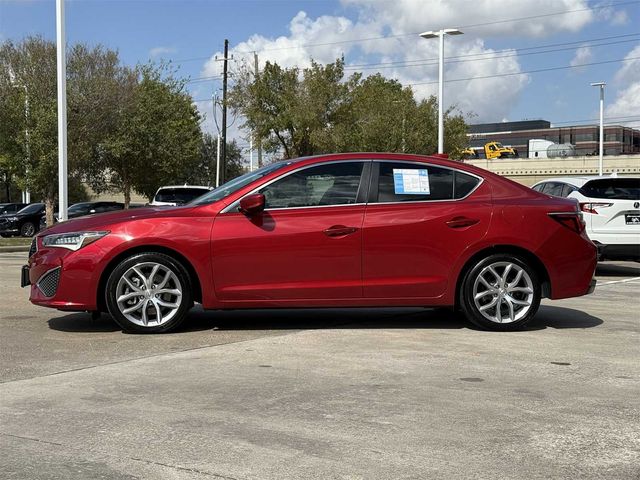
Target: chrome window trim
[233, 207]
[428, 201]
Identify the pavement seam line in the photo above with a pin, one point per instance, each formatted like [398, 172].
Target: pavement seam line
[119, 362]
[142, 460]
[613, 282]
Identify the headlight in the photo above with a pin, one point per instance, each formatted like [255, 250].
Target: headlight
[72, 241]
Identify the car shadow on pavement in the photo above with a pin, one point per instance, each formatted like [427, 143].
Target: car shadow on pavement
[613, 270]
[562, 317]
[330, 318]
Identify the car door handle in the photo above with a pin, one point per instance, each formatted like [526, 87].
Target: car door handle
[339, 231]
[461, 222]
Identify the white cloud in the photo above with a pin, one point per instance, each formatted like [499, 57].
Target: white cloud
[583, 55]
[159, 51]
[627, 78]
[327, 37]
[611, 15]
[407, 16]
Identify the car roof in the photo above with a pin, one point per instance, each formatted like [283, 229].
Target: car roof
[580, 180]
[185, 186]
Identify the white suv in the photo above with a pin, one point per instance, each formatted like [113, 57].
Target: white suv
[178, 194]
[611, 210]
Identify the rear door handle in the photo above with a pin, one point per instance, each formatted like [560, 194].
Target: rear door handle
[461, 222]
[339, 231]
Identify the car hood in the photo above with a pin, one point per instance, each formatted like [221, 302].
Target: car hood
[102, 221]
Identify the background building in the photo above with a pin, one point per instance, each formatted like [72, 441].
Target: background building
[618, 140]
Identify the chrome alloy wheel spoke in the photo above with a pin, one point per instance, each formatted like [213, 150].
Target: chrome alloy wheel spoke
[149, 294]
[503, 292]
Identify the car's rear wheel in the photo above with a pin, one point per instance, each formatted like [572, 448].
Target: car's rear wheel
[27, 229]
[501, 292]
[149, 293]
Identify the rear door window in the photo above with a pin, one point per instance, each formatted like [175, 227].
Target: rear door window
[407, 182]
[613, 188]
[553, 188]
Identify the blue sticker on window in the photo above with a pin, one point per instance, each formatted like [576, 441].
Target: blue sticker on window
[408, 181]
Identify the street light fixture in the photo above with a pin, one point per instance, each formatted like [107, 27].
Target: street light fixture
[601, 85]
[433, 34]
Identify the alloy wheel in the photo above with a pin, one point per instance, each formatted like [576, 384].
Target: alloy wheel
[149, 294]
[503, 292]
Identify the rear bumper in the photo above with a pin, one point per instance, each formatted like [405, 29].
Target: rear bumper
[618, 251]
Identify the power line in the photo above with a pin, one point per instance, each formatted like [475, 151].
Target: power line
[401, 35]
[526, 72]
[549, 45]
[496, 22]
[488, 57]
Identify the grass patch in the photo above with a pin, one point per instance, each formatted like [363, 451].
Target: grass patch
[14, 241]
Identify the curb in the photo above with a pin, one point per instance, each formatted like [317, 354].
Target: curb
[14, 248]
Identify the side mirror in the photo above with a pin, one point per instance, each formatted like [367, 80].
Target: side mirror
[252, 204]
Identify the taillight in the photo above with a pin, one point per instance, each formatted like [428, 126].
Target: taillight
[571, 220]
[591, 207]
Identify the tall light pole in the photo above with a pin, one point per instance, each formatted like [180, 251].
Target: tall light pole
[433, 34]
[62, 110]
[26, 195]
[601, 85]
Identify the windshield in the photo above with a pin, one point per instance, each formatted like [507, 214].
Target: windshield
[179, 195]
[614, 188]
[79, 206]
[237, 183]
[33, 208]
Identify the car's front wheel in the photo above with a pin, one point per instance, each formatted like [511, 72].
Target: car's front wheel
[149, 293]
[501, 292]
[27, 229]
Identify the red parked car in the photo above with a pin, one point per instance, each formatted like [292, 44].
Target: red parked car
[343, 230]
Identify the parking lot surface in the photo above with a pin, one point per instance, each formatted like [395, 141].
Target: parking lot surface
[326, 394]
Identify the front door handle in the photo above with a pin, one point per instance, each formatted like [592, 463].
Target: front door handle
[339, 231]
[461, 222]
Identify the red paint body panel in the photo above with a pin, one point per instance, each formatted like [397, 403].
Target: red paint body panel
[285, 254]
[396, 254]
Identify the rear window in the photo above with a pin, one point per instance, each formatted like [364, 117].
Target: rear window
[179, 195]
[614, 188]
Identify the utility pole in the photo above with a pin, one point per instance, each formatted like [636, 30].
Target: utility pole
[256, 73]
[62, 111]
[218, 161]
[251, 153]
[224, 109]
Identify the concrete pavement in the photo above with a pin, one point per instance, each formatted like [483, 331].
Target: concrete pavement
[344, 394]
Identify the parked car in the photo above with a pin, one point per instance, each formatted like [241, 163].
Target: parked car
[349, 230]
[178, 194]
[8, 208]
[611, 209]
[25, 222]
[89, 208]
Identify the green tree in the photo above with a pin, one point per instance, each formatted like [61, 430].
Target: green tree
[28, 75]
[287, 112]
[158, 139]
[205, 172]
[317, 110]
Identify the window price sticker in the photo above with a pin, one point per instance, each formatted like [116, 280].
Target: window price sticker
[411, 181]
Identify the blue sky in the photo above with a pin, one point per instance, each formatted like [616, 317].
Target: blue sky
[289, 32]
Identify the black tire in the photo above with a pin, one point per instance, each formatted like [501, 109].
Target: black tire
[145, 262]
[504, 295]
[27, 229]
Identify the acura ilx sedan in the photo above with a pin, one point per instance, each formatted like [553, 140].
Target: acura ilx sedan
[343, 230]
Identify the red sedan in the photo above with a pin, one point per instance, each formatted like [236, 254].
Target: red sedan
[348, 230]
